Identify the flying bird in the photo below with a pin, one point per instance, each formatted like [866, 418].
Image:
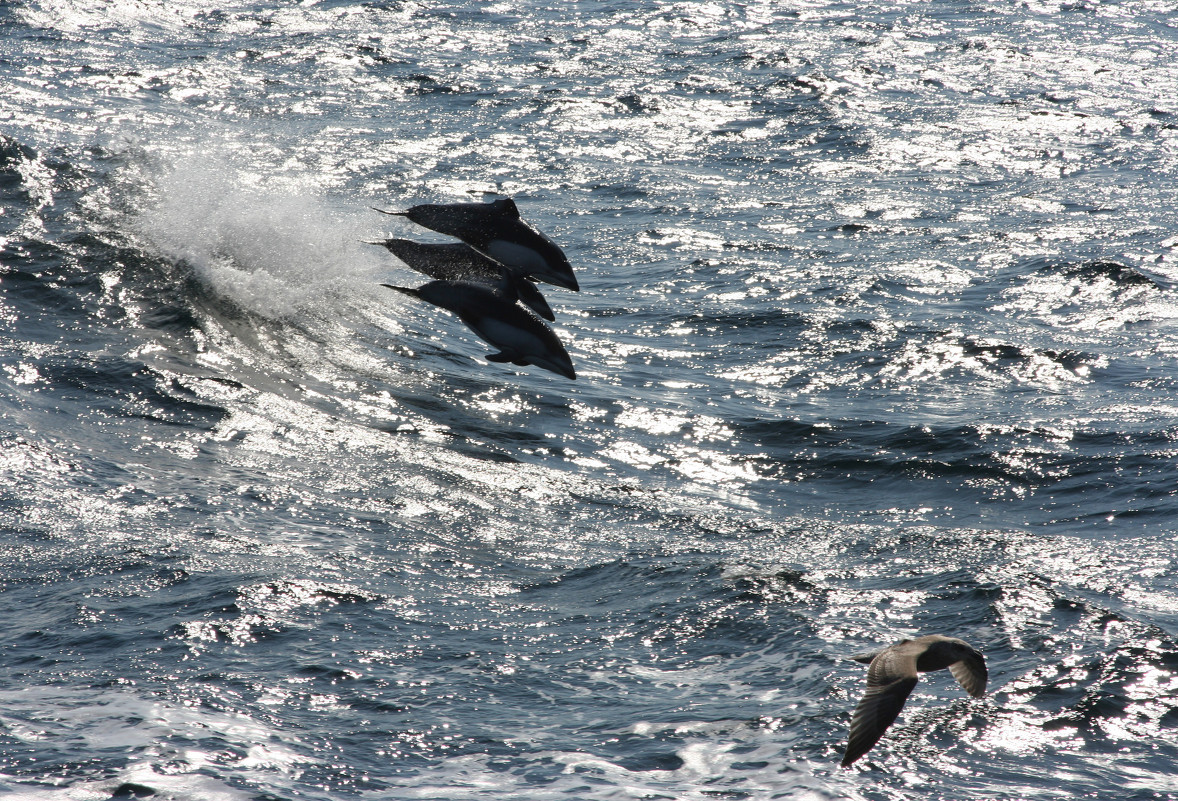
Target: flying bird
[892, 675]
[496, 230]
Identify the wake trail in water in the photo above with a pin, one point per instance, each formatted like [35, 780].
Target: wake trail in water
[272, 247]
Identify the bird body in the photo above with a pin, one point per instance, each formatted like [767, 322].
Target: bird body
[496, 230]
[491, 312]
[891, 675]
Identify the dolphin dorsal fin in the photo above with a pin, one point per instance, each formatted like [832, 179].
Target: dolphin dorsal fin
[506, 207]
[505, 285]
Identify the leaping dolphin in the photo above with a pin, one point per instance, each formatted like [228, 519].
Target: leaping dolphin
[496, 230]
[892, 675]
[458, 261]
[492, 313]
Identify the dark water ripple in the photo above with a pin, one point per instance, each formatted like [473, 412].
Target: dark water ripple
[875, 340]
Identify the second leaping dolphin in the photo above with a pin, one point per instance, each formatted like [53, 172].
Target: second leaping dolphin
[496, 230]
[458, 261]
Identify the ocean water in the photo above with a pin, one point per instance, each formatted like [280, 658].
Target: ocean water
[877, 336]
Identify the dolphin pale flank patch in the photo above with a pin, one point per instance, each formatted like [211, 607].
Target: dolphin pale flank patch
[496, 230]
[486, 277]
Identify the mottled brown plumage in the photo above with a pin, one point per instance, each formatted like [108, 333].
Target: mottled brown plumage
[892, 675]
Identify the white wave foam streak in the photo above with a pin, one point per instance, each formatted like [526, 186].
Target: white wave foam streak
[710, 768]
[179, 750]
[273, 248]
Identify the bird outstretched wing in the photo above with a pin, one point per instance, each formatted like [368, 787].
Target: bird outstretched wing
[971, 674]
[877, 710]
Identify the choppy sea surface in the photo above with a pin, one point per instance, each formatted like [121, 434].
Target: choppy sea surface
[877, 336]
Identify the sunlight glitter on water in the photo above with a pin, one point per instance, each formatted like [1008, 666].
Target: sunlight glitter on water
[125, 720]
[849, 368]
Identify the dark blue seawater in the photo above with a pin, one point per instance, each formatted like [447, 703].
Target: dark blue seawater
[877, 337]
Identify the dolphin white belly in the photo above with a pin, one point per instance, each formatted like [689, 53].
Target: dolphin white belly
[517, 255]
[504, 335]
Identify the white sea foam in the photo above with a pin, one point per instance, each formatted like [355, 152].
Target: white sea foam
[848, 373]
[273, 246]
[709, 770]
[149, 731]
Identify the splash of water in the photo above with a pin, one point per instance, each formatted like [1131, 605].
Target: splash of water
[273, 247]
